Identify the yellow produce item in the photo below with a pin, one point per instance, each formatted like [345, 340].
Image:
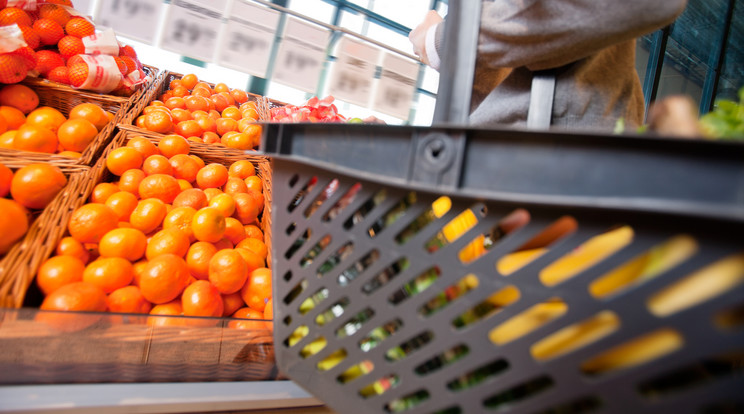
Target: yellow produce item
[699, 287]
[297, 335]
[356, 371]
[515, 261]
[332, 360]
[591, 252]
[635, 352]
[313, 347]
[441, 206]
[527, 321]
[576, 336]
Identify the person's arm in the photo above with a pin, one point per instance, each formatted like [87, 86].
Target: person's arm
[547, 34]
[425, 39]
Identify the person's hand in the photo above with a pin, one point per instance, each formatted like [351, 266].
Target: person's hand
[417, 36]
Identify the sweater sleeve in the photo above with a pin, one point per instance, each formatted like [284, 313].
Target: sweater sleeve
[543, 34]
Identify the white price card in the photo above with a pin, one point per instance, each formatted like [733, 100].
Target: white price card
[396, 86]
[248, 38]
[191, 28]
[136, 19]
[353, 71]
[301, 54]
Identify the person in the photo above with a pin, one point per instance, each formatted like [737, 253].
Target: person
[589, 45]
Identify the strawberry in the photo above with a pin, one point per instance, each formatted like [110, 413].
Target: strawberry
[70, 45]
[54, 12]
[10, 15]
[48, 60]
[49, 31]
[30, 36]
[78, 73]
[60, 74]
[79, 27]
[12, 68]
[28, 55]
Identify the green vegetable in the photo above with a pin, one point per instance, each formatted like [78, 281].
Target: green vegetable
[726, 120]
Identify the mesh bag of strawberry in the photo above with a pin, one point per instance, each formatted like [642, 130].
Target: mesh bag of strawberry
[314, 110]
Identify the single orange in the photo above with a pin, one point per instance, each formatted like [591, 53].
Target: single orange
[255, 245]
[13, 116]
[166, 314]
[196, 102]
[122, 159]
[180, 115]
[148, 215]
[193, 197]
[234, 185]
[161, 186]
[90, 112]
[183, 184]
[35, 138]
[19, 96]
[58, 271]
[227, 271]
[234, 230]
[77, 296]
[159, 121]
[253, 131]
[252, 259]
[212, 193]
[47, 117]
[128, 299]
[220, 102]
[189, 80]
[257, 290]
[198, 257]
[253, 183]
[127, 243]
[68, 246]
[164, 278]
[188, 128]
[168, 241]
[35, 185]
[238, 140]
[172, 144]
[102, 191]
[175, 102]
[208, 127]
[180, 218]
[157, 164]
[232, 302]
[253, 231]
[130, 180]
[247, 208]
[224, 203]
[184, 167]
[248, 319]
[231, 112]
[269, 310]
[212, 176]
[144, 146]
[138, 268]
[109, 273]
[241, 169]
[225, 125]
[208, 224]
[123, 203]
[7, 137]
[201, 298]
[240, 96]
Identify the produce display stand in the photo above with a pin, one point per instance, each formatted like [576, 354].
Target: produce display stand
[390, 298]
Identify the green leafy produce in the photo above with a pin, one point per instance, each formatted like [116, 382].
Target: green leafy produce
[726, 120]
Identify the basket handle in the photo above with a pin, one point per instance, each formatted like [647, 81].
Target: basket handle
[457, 71]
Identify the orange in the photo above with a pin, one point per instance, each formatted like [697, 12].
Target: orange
[211, 138]
[6, 177]
[13, 116]
[253, 183]
[241, 169]
[255, 245]
[227, 271]
[180, 218]
[231, 112]
[144, 146]
[246, 319]
[172, 144]
[269, 310]
[127, 243]
[252, 260]
[122, 159]
[35, 138]
[161, 186]
[234, 185]
[174, 83]
[90, 112]
[128, 299]
[257, 290]
[102, 191]
[68, 246]
[79, 27]
[148, 215]
[258, 198]
[159, 121]
[138, 267]
[123, 203]
[13, 223]
[198, 160]
[193, 197]
[201, 298]
[20, 97]
[164, 278]
[212, 193]
[234, 230]
[197, 102]
[47, 117]
[109, 273]
[225, 125]
[238, 140]
[184, 167]
[246, 208]
[198, 257]
[35, 186]
[249, 113]
[175, 102]
[188, 128]
[183, 184]
[54, 12]
[180, 115]
[253, 231]
[6, 139]
[212, 176]
[224, 203]
[219, 102]
[232, 302]
[179, 91]
[189, 80]
[166, 314]
[253, 131]
[240, 96]
[204, 85]
[167, 241]
[221, 87]
[157, 164]
[208, 224]
[208, 127]
[58, 271]
[77, 296]
[130, 181]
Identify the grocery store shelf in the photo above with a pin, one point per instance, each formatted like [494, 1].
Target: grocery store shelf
[154, 397]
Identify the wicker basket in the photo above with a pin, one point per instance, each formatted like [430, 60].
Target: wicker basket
[20, 264]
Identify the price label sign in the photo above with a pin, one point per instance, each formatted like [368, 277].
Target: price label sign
[396, 87]
[248, 38]
[353, 72]
[301, 53]
[136, 19]
[191, 28]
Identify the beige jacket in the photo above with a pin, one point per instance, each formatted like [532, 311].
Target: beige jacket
[590, 44]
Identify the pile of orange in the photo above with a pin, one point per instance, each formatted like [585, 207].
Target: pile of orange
[205, 114]
[29, 188]
[26, 126]
[170, 236]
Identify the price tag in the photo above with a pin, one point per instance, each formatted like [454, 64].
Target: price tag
[248, 38]
[136, 19]
[353, 72]
[191, 28]
[396, 86]
[301, 54]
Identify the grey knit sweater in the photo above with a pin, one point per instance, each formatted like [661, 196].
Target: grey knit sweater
[590, 44]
